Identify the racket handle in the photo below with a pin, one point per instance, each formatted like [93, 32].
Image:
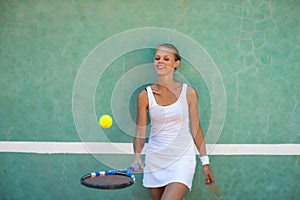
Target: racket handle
[136, 166]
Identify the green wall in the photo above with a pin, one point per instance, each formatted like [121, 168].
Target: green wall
[254, 44]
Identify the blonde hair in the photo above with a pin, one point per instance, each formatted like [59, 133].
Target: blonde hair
[170, 46]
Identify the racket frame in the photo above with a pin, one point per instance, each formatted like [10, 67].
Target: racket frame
[125, 172]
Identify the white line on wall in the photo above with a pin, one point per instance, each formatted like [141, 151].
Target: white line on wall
[126, 148]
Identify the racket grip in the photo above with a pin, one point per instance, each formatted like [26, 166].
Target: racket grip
[136, 166]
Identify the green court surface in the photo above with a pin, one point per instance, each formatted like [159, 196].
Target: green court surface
[64, 63]
[31, 176]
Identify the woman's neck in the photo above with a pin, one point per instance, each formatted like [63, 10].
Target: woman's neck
[166, 81]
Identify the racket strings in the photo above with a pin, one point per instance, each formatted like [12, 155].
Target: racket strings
[112, 179]
[108, 180]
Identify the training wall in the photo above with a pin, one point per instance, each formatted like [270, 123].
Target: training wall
[252, 48]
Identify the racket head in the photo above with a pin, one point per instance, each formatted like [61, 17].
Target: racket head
[108, 182]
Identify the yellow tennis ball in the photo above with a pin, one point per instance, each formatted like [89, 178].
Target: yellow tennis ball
[105, 121]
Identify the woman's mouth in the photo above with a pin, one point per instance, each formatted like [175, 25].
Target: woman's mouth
[160, 66]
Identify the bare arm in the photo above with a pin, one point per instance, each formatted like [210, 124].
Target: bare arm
[197, 131]
[141, 123]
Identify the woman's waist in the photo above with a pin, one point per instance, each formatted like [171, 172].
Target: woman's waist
[164, 139]
[169, 131]
[172, 147]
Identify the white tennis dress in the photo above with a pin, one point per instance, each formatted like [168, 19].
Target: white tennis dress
[170, 152]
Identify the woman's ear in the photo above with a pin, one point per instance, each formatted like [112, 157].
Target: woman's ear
[176, 64]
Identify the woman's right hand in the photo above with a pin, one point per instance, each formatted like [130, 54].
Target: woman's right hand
[139, 162]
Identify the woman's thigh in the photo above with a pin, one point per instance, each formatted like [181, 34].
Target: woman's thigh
[157, 193]
[174, 191]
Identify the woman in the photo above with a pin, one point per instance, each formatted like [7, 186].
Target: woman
[170, 159]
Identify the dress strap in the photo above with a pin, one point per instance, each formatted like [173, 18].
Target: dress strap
[184, 87]
[183, 92]
[151, 97]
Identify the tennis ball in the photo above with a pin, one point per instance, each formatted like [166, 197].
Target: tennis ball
[105, 121]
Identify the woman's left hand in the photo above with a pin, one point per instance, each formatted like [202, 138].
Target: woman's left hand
[209, 178]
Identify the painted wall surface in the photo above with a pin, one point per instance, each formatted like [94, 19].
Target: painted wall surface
[253, 43]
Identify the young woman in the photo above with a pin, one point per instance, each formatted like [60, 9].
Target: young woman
[170, 159]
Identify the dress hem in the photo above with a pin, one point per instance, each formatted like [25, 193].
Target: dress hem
[165, 184]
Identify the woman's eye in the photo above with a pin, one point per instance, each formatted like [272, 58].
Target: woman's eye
[158, 58]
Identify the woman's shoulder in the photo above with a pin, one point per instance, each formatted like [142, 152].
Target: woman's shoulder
[142, 99]
[191, 90]
[143, 93]
[191, 94]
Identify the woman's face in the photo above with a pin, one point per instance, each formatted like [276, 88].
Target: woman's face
[164, 60]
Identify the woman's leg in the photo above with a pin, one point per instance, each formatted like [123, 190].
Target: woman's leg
[174, 191]
[157, 193]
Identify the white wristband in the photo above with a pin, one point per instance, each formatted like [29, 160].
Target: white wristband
[204, 160]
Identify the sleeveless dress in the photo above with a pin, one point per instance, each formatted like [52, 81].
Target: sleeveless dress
[170, 152]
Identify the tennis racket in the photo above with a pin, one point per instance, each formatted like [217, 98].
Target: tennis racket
[111, 179]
